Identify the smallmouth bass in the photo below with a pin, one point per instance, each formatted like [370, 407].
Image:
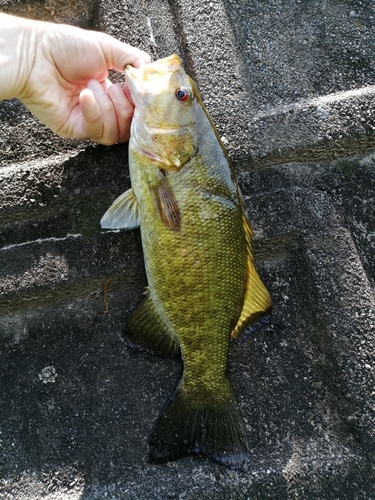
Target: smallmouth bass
[203, 288]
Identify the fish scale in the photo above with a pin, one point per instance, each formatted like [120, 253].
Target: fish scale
[203, 288]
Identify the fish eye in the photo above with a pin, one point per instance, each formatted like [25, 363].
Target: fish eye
[183, 94]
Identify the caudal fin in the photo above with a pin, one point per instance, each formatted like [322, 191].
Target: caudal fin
[212, 429]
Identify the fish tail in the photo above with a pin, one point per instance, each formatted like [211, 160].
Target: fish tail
[210, 428]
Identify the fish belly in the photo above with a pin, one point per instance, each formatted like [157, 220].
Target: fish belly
[197, 275]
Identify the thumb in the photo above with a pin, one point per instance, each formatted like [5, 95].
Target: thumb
[119, 54]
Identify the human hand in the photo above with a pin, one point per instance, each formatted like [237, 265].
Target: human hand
[68, 88]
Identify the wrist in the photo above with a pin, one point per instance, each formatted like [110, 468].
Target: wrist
[17, 52]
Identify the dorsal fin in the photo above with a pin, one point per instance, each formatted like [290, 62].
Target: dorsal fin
[257, 300]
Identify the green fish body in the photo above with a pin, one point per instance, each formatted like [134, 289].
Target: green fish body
[203, 289]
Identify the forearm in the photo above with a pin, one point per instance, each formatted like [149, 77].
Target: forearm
[17, 52]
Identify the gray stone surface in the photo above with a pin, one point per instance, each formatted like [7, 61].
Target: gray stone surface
[291, 87]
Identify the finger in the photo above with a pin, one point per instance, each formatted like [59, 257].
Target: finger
[119, 54]
[124, 111]
[127, 93]
[90, 124]
[109, 133]
[143, 58]
[106, 84]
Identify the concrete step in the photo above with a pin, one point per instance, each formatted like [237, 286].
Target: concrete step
[290, 87]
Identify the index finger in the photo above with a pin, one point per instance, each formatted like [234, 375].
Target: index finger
[119, 54]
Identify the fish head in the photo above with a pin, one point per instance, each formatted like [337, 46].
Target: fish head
[163, 125]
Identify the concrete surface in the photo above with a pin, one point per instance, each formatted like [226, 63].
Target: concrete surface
[291, 88]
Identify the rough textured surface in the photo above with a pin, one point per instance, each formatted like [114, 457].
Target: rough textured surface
[291, 88]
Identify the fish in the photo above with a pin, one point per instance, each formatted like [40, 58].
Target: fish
[203, 289]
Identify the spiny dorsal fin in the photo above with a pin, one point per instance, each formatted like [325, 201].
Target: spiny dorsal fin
[123, 213]
[147, 329]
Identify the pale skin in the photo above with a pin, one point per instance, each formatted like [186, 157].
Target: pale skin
[60, 73]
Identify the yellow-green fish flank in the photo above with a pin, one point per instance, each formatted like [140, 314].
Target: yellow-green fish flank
[203, 289]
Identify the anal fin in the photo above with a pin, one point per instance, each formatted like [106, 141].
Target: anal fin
[147, 329]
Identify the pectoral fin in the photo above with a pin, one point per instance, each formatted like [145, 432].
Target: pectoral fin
[257, 300]
[165, 203]
[147, 329]
[123, 213]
